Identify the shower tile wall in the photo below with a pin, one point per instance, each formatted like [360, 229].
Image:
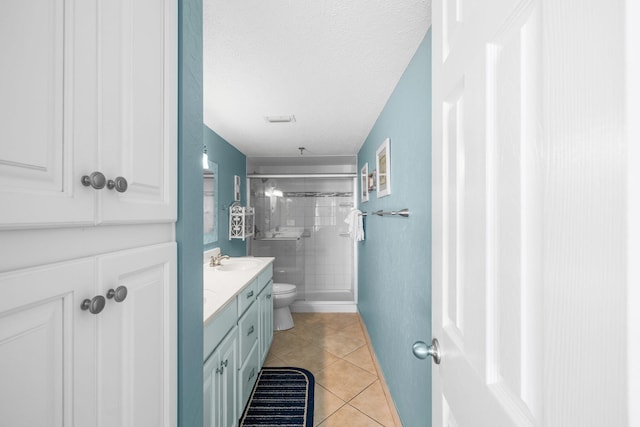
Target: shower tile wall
[316, 207]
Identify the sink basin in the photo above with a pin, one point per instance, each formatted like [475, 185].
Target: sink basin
[238, 264]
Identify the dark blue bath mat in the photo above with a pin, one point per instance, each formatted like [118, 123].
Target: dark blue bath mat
[281, 397]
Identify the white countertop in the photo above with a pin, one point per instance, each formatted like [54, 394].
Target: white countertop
[220, 286]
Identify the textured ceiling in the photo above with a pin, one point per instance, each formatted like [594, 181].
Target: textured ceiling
[333, 64]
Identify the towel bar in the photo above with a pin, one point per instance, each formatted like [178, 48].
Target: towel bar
[403, 213]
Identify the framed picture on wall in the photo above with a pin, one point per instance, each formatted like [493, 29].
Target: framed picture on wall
[236, 188]
[364, 183]
[383, 169]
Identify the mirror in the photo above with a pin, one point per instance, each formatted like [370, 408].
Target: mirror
[210, 202]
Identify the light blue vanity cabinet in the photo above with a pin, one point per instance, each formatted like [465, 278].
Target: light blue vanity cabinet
[252, 338]
[265, 320]
[236, 341]
[247, 376]
[220, 382]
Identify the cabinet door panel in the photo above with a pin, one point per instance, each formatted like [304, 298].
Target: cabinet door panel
[137, 353]
[38, 183]
[265, 301]
[211, 391]
[46, 346]
[228, 380]
[138, 115]
[247, 377]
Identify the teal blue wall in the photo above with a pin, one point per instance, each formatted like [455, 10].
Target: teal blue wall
[230, 162]
[189, 225]
[394, 269]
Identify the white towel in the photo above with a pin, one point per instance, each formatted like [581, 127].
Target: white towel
[356, 229]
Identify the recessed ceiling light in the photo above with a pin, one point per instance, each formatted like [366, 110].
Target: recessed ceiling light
[280, 119]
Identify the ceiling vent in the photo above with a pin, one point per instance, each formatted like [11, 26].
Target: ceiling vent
[281, 119]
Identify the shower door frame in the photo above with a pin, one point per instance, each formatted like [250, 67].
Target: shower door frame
[319, 306]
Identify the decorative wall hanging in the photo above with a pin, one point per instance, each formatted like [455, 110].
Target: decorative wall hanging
[240, 221]
[236, 188]
[364, 183]
[383, 169]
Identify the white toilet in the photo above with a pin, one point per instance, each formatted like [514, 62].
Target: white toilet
[284, 294]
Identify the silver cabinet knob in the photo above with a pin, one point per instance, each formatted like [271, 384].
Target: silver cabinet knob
[96, 180]
[118, 295]
[94, 305]
[119, 184]
[421, 350]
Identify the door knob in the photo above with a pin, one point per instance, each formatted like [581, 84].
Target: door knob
[119, 184]
[96, 180]
[118, 295]
[421, 350]
[94, 305]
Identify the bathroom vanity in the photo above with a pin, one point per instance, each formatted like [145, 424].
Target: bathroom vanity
[238, 331]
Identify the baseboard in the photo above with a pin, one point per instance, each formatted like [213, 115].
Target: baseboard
[385, 389]
[323, 307]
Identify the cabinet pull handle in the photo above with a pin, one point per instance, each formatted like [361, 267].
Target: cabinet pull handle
[96, 180]
[119, 184]
[250, 330]
[250, 294]
[118, 295]
[252, 374]
[268, 296]
[94, 305]
[223, 364]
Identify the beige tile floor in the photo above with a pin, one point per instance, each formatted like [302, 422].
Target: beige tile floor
[333, 347]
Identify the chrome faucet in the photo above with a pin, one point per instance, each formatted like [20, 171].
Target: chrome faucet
[215, 261]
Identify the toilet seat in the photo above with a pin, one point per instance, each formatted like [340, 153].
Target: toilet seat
[283, 288]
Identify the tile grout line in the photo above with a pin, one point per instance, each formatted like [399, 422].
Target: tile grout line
[395, 419]
[332, 413]
[365, 414]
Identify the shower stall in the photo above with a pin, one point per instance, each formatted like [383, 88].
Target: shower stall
[299, 220]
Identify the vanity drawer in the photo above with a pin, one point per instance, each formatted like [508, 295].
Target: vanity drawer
[248, 375]
[247, 296]
[217, 327]
[248, 330]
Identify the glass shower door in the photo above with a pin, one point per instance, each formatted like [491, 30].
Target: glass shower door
[300, 222]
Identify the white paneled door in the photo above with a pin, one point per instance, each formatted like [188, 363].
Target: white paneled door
[529, 201]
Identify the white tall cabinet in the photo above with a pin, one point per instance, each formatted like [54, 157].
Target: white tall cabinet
[87, 212]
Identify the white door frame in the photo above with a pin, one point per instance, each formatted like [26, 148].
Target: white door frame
[633, 195]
